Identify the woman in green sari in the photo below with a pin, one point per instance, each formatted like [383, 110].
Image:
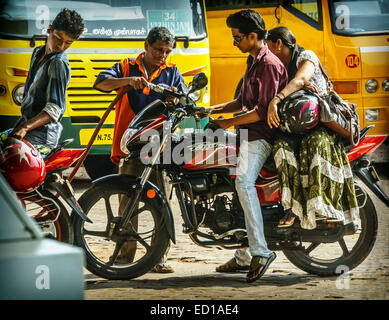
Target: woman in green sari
[315, 176]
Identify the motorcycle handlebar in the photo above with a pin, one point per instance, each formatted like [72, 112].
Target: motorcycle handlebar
[165, 90]
[191, 108]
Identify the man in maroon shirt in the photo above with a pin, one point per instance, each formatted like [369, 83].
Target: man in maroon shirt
[264, 77]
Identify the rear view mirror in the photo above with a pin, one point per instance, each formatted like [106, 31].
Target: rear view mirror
[200, 80]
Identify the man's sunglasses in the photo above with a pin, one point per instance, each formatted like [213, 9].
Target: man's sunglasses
[237, 39]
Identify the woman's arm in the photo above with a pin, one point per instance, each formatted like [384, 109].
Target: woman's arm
[304, 73]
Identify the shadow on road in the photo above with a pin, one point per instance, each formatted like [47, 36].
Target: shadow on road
[205, 280]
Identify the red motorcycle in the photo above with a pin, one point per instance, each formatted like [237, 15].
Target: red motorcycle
[209, 204]
[38, 184]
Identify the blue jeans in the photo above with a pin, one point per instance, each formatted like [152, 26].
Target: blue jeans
[252, 156]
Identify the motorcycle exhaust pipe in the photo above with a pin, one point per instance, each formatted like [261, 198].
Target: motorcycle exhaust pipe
[369, 176]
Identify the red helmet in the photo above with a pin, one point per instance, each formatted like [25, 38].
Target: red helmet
[22, 165]
[299, 112]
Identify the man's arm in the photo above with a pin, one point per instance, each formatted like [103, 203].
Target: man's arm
[20, 131]
[246, 118]
[110, 84]
[233, 106]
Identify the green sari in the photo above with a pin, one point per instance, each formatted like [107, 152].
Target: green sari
[315, 177]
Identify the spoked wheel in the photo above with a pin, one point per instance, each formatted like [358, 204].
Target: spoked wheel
[146, 240]
[50, 214]
[323, 259]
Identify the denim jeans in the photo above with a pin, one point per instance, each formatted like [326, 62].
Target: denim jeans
[252, 156]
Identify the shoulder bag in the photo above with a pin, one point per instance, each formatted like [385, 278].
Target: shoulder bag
[339, 115]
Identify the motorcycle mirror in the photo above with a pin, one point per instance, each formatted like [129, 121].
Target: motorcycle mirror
[200, 80]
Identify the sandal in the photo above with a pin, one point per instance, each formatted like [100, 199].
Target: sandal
[231, 266]
[162, 268]
[259, 266]
[287, 221]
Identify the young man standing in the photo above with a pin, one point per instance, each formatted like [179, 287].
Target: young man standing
[44, 99]
[264, 77]
[149, 66]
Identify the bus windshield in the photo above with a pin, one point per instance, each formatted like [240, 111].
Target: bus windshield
[106, 19]
[357, 17]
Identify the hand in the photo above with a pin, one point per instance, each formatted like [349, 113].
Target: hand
[311, 87]
[272, 114]
[171, 101]
[222, 123]
[19, 132]
[138, 83]
[209, 111]
[202, 115]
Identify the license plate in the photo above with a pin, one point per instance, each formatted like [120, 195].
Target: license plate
[104, 137]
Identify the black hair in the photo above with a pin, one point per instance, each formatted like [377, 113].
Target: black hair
[160, 33]
[70, 22]
[248, 21]
[284, 34]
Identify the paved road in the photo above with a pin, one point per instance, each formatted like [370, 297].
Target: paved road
[195, 276]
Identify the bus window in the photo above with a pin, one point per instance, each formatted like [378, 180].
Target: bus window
[239, 4]
[307, 10]
[360, 17]
[114, 30]
[121, 19]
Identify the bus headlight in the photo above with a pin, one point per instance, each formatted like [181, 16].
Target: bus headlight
[372, 115]
[3, 90]
[385, 85]
[17, 94]
[371, 85]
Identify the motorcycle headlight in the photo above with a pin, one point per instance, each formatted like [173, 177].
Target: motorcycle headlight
[17, 94]
[127, 135]
[195, 95]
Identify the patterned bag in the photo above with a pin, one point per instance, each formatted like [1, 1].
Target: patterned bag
[339, 115]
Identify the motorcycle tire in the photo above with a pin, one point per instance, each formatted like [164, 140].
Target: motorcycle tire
[98, 262]
[44, 208]
[350, 258]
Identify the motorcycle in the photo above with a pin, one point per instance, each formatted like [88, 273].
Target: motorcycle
[208, 201]
[43, 204]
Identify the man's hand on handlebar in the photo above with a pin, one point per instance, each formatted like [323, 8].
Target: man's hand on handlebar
[222, 123]
[209, 111]
[138, 83]
[172, 101]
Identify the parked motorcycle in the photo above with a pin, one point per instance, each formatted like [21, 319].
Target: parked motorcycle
[43, 204]
[208, 201]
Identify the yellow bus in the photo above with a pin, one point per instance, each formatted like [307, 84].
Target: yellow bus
[114, 30]
[351, 38]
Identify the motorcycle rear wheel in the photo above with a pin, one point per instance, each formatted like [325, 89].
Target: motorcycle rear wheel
[50, 214]
[101, 204]
[310, 258]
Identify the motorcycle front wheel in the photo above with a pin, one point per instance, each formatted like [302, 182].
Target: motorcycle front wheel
[330, 259]
[101, 204]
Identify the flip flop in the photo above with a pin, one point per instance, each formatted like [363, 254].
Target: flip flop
[287, 221]
[231, 266]
[162, 268]
[258, 267]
